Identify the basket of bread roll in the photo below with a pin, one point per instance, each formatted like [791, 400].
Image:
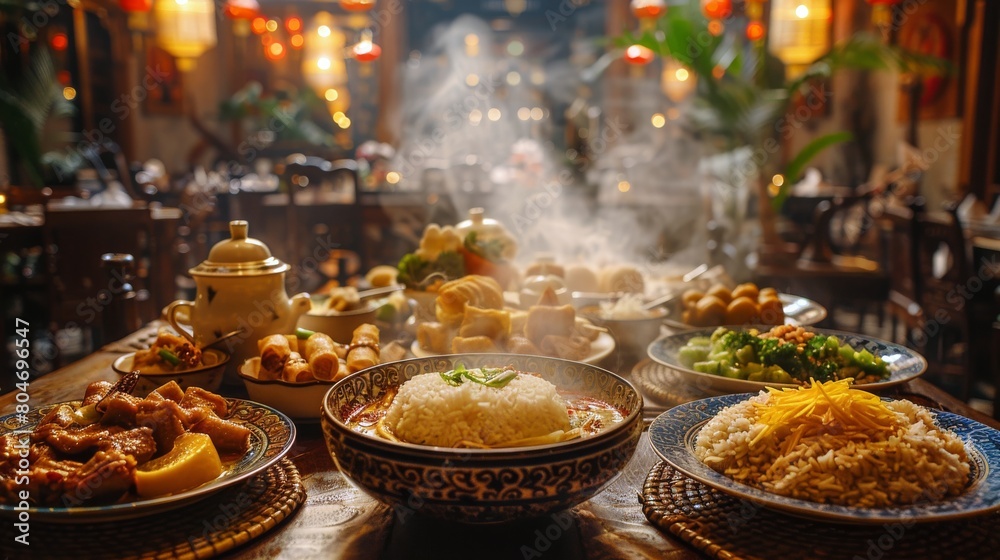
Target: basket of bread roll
[293, 372]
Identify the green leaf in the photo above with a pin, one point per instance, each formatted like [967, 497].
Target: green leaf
[794, 169]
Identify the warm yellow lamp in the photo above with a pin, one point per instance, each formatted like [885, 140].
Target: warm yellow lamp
[185, 29]
[323, 66]
[799, 32]
[677, 82]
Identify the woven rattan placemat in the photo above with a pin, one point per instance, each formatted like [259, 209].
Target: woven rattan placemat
[663, 385]
[727, 528]
[206, 528]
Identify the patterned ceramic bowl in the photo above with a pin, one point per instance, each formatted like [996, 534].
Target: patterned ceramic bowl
[207, 376]
[482, 485]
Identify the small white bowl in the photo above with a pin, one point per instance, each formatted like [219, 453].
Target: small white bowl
[632, 336]
[208, 376]
[301, 401]
[339, 325]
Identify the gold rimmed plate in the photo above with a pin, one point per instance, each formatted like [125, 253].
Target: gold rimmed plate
[271, 437]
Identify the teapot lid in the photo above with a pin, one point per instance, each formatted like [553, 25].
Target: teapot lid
[486, 229]
[239, 256]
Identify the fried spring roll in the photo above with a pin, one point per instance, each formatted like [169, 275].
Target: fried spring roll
[364, 349]
[274, 352]
[296, 369]
[322, 356]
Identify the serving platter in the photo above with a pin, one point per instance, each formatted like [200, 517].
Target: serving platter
[799, 311]
[600, 348]
[271, 437]
[673, 434]
[904, 364]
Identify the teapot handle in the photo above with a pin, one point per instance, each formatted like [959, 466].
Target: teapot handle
[170, 315]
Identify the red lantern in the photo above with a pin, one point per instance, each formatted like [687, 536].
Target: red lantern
[716, 9]
[59, 42]
[135, 6]
[638, 54]
[755, 31]
[241, 9]
[357, 5]
[648, 9]
[366, 51]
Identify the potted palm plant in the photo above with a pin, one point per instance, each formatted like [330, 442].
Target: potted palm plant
[30, 92]
[741, 104]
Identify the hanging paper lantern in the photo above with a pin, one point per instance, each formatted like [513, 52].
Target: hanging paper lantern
[366, 51]
[799, 32]
[638, 54]
[647, 11]
[135, 6]
[716, 9]
[755, 13]
[185, 29]
[357, 5]
[241, 12]
[241, 9]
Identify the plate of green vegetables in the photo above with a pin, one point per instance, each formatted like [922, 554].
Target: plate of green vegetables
[724, 360]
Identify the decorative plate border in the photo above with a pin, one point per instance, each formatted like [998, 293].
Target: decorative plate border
[672, 437]
[904, 364]
[271, 437]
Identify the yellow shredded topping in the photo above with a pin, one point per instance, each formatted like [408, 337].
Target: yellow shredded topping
[821, 407]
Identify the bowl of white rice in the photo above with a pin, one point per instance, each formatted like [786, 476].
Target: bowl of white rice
[482, 438]
[632, 325]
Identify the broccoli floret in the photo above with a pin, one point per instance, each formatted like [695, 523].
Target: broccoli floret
[735, 340]
[414, 271]
[774, 352]
[818, 349]
[825, 371]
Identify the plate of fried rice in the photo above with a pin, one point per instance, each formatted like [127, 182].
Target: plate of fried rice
[834, 452]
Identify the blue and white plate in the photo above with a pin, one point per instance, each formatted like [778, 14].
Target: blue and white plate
[904, 364]
[673, 435]
[271, 437]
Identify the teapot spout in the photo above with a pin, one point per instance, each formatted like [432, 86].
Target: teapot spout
[300, 303]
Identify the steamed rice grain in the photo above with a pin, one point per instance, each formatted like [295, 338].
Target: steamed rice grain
[429, 411]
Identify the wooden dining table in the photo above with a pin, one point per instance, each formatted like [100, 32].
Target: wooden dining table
[339, 521]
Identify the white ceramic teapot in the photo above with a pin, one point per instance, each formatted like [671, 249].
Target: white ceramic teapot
[239, 287]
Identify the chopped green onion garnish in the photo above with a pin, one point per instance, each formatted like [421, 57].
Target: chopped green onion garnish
[491, 377]
[303, 334]
[169, 356]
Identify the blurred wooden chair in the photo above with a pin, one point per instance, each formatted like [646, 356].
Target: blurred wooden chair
[942, 265]
[78, 286]
[832, 268]
[324, 204]
[899, 245]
